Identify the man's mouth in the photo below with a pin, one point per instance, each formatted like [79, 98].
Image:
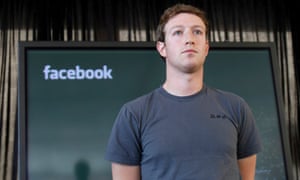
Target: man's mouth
[189, 51]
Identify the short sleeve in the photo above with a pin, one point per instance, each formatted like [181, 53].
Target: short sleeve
[124, 142]
[249, 142]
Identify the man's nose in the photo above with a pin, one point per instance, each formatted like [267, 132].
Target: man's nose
[189, 43]
[189, 38]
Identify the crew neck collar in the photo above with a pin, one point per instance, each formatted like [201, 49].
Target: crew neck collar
[167, 94]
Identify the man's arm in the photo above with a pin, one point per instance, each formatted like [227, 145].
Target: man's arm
[247, 167]
[125, 172]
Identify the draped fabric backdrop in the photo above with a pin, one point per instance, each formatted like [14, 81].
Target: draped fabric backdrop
[136, 20]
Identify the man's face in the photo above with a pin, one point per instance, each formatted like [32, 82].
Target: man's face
[185, 47]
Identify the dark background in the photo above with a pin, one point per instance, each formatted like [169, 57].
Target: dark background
[103, 20]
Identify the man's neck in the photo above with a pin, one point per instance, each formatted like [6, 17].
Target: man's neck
[183, 86]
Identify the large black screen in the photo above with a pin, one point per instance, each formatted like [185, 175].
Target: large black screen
[71, 92]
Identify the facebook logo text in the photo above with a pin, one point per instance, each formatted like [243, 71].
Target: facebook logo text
[77, 73]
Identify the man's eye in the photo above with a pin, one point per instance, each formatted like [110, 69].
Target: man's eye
[198, 32]
[177, 32]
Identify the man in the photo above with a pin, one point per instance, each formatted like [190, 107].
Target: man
[184, 129]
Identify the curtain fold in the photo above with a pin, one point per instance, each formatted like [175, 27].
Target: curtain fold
[136, 20]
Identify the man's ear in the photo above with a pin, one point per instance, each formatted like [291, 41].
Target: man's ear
[206, 48]
[161, 48]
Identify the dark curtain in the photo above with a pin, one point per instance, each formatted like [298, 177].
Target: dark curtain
[136, 20]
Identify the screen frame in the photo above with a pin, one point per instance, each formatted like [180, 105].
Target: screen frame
[24, 46]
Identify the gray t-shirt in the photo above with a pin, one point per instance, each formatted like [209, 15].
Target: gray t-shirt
[193, 137]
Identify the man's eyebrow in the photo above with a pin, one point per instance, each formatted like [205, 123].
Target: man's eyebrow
[176, 26]
[182, 26]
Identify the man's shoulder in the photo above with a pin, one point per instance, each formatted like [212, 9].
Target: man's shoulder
[143, 99]
[224, 95]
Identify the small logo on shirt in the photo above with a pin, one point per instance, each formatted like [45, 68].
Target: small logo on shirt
[218, 116]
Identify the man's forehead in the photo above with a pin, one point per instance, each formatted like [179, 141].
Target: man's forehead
[185, 20]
